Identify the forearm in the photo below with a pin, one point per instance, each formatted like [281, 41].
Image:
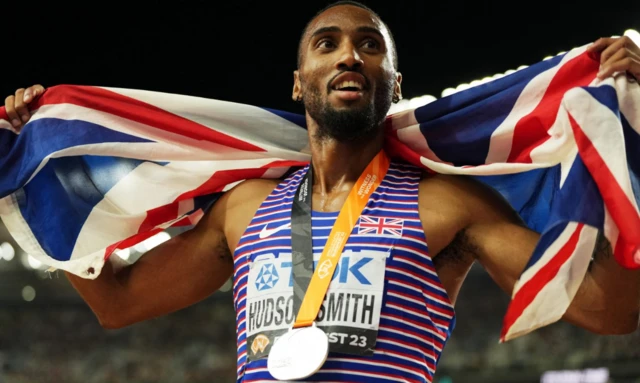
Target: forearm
[608, 300]
[176, 274]
[101, 294]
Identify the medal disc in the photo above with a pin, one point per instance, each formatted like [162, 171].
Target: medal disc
[299, 353]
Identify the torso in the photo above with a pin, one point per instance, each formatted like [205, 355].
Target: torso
[441, 221]
[438, 217]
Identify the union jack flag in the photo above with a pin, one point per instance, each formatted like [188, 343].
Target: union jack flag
[380, 226]
[99, 169]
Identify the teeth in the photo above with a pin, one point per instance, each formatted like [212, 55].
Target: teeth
[349, 84]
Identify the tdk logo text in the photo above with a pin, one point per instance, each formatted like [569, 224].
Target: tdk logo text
[348, 270]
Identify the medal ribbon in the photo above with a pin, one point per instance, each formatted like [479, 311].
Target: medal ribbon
[310, 286]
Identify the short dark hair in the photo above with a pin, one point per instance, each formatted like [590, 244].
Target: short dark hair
[394, 52]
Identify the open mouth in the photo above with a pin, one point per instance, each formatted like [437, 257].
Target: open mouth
[348, 86]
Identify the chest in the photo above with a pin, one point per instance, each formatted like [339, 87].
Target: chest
[398, 209]
[329, 202]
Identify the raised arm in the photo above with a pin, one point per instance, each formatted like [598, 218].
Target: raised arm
[607, 301]
[178, 273]
[172, 276]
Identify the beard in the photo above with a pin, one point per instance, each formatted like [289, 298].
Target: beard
[352, 123]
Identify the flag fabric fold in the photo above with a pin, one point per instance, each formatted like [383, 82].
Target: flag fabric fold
[98, 169]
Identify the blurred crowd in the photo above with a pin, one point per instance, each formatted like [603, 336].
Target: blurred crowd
[67, 344]
[53, 342]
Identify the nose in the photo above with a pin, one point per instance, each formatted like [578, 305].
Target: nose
[349, 58]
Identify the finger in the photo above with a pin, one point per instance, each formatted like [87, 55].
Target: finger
[617, 63]
[617, 56]
[611, 50]
[601, 44]
[11, 112]
[633, 47]
[32, 92]
[20, 106]
[635, 70]
[618, 66]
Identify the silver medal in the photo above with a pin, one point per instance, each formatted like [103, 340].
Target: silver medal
[298, 353]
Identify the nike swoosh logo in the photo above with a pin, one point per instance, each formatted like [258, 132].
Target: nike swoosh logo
[267, 233]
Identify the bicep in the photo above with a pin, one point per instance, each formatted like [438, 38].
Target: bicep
[480, 224]
[499, 239]
[178, 273]
[503, 248]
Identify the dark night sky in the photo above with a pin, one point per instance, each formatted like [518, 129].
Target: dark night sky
[245, 51]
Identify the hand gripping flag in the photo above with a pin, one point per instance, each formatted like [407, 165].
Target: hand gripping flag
[99, 169]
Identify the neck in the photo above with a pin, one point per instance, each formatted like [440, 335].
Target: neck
[337, 165]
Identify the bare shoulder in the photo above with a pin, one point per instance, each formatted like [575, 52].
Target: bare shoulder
[233, 212]
[449, 204]
[465, 197]
[251, 191]
[456, 186]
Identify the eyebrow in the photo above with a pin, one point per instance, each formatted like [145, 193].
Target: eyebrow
[373, 30]
[363, 29]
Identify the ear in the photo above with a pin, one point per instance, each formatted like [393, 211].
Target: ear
[297, 89]
[397, 90]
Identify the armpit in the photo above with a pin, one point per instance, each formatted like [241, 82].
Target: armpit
[459, 251]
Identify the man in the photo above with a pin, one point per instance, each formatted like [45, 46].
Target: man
[388, 311]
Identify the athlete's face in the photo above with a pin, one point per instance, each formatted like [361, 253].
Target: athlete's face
[346, 78]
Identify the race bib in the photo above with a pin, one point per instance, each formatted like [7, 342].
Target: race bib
[350, 312]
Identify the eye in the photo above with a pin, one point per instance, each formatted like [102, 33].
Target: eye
[325, 44]
[371, 44]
